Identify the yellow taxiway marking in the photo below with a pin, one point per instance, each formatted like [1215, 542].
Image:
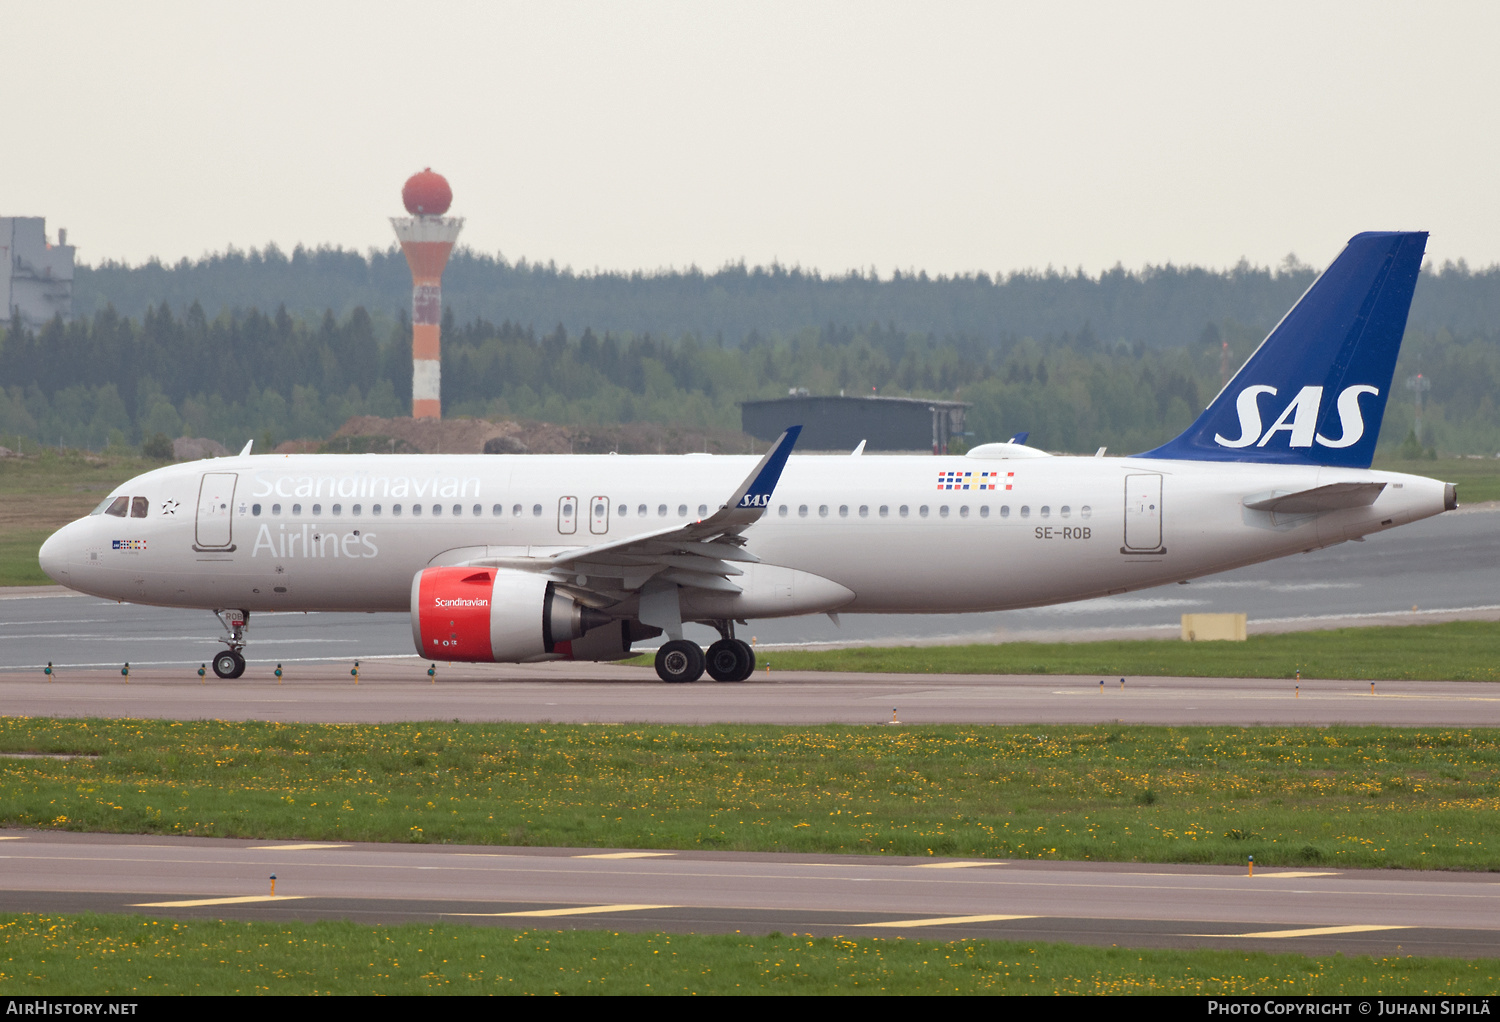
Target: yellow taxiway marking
[1291, 876]
[581, 910]
[13, 837]
[954, 865]
[218, 901]
[290, 848]
[948, 920]
[624, 855]
[1315, 931]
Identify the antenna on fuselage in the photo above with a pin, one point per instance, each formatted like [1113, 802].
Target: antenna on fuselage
[248, 444]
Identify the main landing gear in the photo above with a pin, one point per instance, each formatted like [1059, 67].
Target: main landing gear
[729, 659]
[231, 662]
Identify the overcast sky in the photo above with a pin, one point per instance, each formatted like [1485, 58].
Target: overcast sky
[639, 135]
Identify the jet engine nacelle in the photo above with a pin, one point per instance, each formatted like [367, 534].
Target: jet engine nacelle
[484, 615]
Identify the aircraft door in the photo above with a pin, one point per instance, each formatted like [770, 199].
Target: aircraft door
[215, 507]
[1142, 514]
[567, 515]
[598, 515]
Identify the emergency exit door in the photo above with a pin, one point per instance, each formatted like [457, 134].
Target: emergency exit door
[1143, 528]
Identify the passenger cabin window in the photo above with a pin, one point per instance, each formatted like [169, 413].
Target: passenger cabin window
[416, 509]
[702, 510]
[1004, 510]
[375, 509]
[905, 510]
[357, 509]
[338, 509]
[781, 510]
[516, 510]
[495, 511]
[984, 510]
[661, 510]
[623, 511]
[681, 510]
[396, 510]
[119, 508]
[138, 507]
[317, 509]
[885, 510]
[536, 510]
[922, 510]
[801, 510]
[296, 509]
[276, 509]
[437, 509]
[822, 510]
[254, 510]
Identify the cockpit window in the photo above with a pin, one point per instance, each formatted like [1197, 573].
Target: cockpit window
[100, 509]
[138, 507]
[119, 508]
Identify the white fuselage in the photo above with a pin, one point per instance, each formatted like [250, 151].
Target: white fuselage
[323, 532]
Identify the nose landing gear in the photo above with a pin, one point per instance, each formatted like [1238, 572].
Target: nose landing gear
[231, 662]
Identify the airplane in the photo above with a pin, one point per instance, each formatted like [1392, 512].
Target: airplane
[523, 558]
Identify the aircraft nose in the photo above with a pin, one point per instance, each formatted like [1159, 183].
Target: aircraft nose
[53, 557]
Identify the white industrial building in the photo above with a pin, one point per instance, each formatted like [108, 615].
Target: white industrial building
[37, 280]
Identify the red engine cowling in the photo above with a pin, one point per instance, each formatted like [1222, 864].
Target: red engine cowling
[482, 615]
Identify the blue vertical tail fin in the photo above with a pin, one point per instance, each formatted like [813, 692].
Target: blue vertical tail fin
[1315, 390]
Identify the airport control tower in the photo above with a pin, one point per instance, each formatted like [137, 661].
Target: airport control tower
[427, 238]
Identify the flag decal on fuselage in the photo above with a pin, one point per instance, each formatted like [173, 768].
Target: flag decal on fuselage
[966, 480]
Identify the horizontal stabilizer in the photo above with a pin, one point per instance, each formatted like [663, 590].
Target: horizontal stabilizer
[1333, 497]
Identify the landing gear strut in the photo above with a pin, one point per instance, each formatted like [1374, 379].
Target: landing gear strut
[231, 662]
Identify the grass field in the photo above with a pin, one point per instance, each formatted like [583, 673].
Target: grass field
[1454, 651]
[130, 955]
[45, 492]
[1370, 797]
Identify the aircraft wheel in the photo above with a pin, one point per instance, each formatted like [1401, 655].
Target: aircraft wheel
[679, 661]
[747, 663]
[730, 660]
[229, 664]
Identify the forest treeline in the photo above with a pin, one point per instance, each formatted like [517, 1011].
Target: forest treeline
[109, 378]
[1159, 306]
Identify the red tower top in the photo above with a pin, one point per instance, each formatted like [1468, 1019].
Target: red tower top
[427, 194]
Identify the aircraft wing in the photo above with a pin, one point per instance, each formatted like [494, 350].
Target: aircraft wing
[701, 554]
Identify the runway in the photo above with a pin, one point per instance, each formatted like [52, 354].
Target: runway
[1440, 569]
[397, 690]
[1371, 912]
[1445, 567]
